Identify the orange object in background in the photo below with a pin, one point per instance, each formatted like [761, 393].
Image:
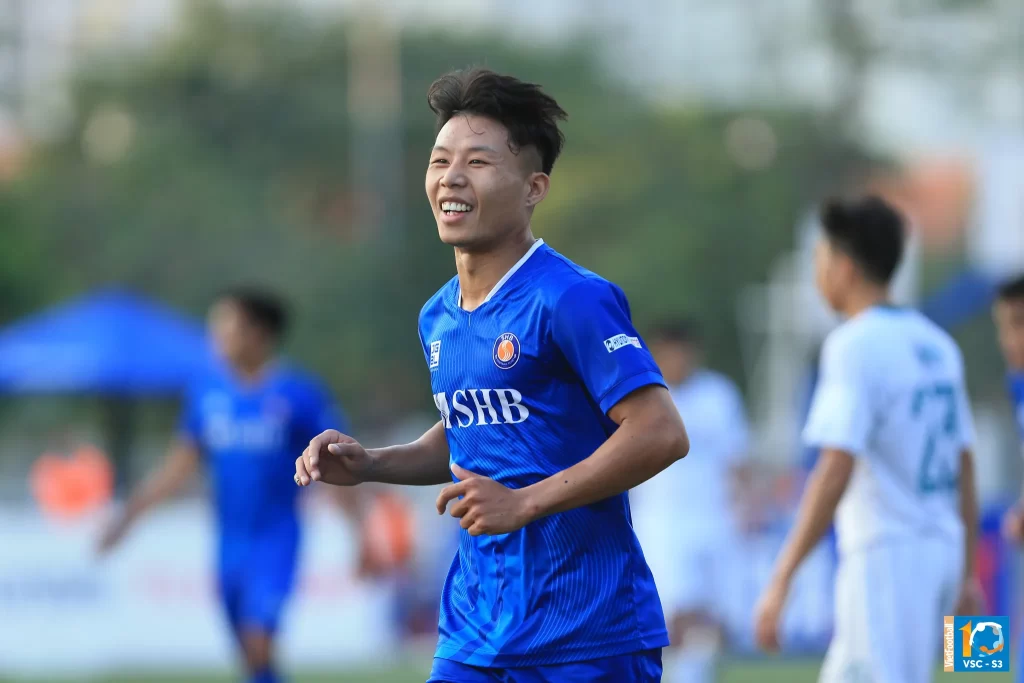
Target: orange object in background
[387, 531]
[937, 194]
[67, 487]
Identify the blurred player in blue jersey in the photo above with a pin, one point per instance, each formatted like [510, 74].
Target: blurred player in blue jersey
[1009, 316]
[551, 409]
[244, 420]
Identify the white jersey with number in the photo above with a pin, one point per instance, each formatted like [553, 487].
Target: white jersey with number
[891, 393]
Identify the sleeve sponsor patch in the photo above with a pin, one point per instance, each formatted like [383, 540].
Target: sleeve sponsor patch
[619, 341]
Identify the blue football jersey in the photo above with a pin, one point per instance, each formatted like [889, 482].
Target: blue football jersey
[523, 385]
[1016, 382]
[249, 437]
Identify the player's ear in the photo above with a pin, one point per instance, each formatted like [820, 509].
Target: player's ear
[538, 185]
[850, 270]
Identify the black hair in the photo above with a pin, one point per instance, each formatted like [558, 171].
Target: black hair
[683, 331]
[869, 231]
[528, 113]
[264, 309]
[1012, 289]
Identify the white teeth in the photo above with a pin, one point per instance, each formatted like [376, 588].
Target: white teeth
[455, 206]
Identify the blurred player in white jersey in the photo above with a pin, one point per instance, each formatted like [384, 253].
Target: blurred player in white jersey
[683, 516]
[891, 417]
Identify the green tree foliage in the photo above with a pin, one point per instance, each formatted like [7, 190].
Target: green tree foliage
[231, 161]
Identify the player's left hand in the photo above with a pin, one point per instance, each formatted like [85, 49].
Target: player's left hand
[768, 614]
[482, 505]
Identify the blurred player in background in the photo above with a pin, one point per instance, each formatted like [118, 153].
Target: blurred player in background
[551, 409]
[892, 419]
[685, 517]
[1009, 316]
[244, 421]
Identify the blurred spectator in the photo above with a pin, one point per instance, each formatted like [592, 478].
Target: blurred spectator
[686, 517]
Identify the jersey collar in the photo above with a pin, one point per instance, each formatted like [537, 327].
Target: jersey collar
[505, 278]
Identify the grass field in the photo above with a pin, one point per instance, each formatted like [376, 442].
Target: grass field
[747, 672]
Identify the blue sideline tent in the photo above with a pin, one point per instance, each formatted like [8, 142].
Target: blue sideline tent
[111, 344]
[964, 296]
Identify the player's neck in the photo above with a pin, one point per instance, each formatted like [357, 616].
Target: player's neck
[252, 371]
[480, 271]
[862, 298]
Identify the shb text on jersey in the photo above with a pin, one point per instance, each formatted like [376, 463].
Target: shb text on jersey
[469, 407]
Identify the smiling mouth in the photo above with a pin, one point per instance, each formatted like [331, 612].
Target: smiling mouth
[455, 208]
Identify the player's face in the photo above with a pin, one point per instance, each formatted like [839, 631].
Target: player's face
[235, 338]
[1009, 316]
[831, 272]
[480, 192]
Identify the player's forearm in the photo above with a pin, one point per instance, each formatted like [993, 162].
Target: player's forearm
[423, 462]
[824, 490]
[632, 455]
[968, 511]
[165, 482]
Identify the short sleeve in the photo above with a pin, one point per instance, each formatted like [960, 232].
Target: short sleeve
[736, 444]
[841, 411]
[1017, 396]
[190, 423]
[965, 419]
[1020, 419]
[321, 412]
[591, 326]
[423, 346]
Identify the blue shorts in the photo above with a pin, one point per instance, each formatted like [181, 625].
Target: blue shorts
[638, 667]
[256, 575]
[254, 598]
[254, 601]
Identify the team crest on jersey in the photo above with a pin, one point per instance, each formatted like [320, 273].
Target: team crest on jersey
[506, 351]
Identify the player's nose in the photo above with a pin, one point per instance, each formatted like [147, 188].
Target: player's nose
[454, 176]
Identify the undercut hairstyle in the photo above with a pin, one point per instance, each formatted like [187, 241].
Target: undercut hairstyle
[685, 332]
[264, 309]
[869, 231]
[529, 114]
[1012, 289]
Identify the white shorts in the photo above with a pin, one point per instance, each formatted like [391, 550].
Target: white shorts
[690, 569]
[889, 603]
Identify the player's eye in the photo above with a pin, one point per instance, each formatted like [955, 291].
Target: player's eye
[435, 162]
[477, 162]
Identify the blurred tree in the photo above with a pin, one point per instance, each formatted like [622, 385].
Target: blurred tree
[224, 157]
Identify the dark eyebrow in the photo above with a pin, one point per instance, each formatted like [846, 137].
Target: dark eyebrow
[478, 148]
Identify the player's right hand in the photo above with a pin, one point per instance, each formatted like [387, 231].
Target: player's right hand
[1013, 524]
[333, 458]
[768, 615]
